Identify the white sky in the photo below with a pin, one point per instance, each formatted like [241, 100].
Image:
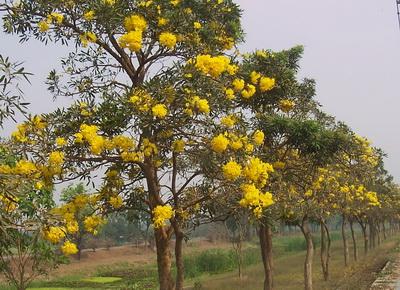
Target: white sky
[352, 49]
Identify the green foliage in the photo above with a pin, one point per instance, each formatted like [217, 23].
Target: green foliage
[215, 261]
[11, 95]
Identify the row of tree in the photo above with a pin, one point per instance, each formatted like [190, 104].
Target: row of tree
[181, 126]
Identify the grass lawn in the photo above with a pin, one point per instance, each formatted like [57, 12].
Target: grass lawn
[213, 269]
[288, 271]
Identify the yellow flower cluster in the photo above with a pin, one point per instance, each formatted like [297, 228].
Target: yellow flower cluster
[87, 37]
[89, 133]
[92, 223]
[168, 39]
[53, 17]
[22, 167]
[69, 248]
[116, 201]
[257, 171]
[135, 25]
[228, 121]
[8, 204]
[35, 124]
[198, 105]
[54, 234]
[159, 111]
[266, 84]
[286, 105]
[258, 137]
[219, 143]
[161, 214]
[222, 142]
[178, 145]
[149, 148]
[255, 200]
[213, 66]
[232, 170]
[89, 15]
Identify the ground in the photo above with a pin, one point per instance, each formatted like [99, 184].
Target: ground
[133, 264]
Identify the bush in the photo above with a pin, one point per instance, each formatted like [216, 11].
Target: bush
[217, 261]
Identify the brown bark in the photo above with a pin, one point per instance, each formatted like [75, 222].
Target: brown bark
[365, 236]
[353, 236]
[384, 230]
[265, 235]
[164, 260]
[378, 232]
[372, 236]
[325, 250]
[305, 228]
[179, 259]
[345, 243]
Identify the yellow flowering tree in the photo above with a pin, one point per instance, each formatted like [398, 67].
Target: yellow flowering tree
[156, 96]
[24, 204]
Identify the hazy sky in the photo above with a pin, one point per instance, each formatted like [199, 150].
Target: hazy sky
[352, 49]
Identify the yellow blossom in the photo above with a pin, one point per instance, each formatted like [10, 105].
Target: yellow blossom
[54, 234]
[197, 25]
[214, 66]
[219, 143]
[255, 76]
[258, 137]
[286, 105]
[168, 39]
[159, 111]
[89, 15]
[131, 40]
[135, 23]
[161, 213]
[266, 84]
[116, 201]
[60, 142]
[69, 248]
[43, 26]
[178, 145]
[238, 85]
[232, 170]
[228, 121]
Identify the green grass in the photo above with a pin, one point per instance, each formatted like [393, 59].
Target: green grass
[216, 269]
[288, 271]
[102, 280]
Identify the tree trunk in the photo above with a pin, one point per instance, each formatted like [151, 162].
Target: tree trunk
[378, 231]
[179, 259]
[353, 236]
[345, 243]
[372, 236]
[265, 235]
[384, 230]
[163, 260]
[325, 250]
[365, 236]
[305, 228]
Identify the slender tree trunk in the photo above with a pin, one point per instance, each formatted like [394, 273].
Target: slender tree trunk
[179, 259]
[305, 228]
[378, 232]
[164, 260]
[365, 236]
[265, 235]
[353, 236]
[384, 230]
[345, 243]
[325, 245]
[371, 234]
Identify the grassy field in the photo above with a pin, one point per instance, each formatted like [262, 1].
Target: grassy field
[288, 273]
[213, 267]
